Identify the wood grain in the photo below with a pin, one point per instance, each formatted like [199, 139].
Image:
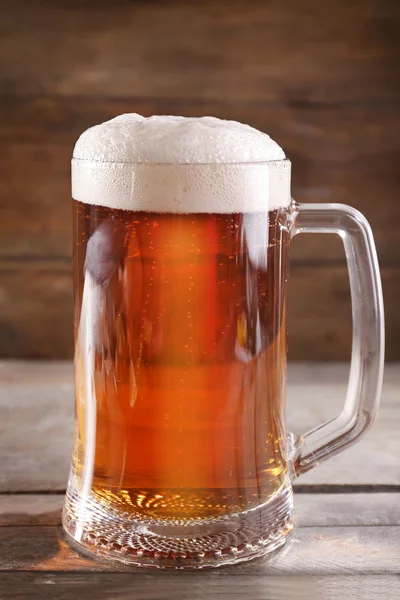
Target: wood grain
[36, 306]
[35, 202]
[343, 545]
[36, 414]
[336, 134]
[30, 509]
[320, 550]
[195, 586]
[292, 51]
[311, 510]
[323, 81]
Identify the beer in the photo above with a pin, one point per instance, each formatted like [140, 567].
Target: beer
[189, 358]
[180, 342]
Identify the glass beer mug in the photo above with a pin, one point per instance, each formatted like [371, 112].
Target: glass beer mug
[182, 232]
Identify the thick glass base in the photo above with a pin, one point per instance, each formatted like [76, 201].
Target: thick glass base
[224, 540]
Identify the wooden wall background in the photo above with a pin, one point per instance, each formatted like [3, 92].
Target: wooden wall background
[321, 77]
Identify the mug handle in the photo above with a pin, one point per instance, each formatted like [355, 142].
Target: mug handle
[366, 369]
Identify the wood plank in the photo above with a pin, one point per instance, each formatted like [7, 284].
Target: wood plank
[196, 586]
[318, 551]
[292, 51]
[36, 413]
[36, 311]
[347, 155]
[347, 510]
[35, 201]
[316, 393]
[337, 134]
[30, 509]
[319, 317]
[311, 510]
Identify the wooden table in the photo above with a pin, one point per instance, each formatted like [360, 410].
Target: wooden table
[346, 543]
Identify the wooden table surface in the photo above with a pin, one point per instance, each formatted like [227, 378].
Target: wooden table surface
[347, 537]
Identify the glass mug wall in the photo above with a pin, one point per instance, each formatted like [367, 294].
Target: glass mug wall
[181, 455]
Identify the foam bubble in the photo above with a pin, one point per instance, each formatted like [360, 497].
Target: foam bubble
[179, 165]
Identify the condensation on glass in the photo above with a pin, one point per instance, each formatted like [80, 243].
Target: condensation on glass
[181, 456]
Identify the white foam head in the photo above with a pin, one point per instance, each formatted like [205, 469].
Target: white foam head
[179, 165]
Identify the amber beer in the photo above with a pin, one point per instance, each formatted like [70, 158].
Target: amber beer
[181, 234]
[180, 360]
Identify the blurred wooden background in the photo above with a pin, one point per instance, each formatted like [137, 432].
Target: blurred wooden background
[322, 78]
